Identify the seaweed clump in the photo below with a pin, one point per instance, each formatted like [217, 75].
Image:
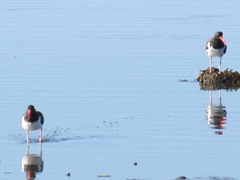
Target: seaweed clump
[227, 79]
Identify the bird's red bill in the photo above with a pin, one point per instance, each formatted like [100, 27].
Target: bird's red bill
[223, 40]
[29, 112]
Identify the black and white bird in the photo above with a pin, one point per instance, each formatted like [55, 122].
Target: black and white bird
[216, 47]
[32, 120]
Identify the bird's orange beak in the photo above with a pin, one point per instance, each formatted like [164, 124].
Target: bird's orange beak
[223, 40]
[29, 113]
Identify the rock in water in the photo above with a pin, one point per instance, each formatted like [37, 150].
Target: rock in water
[227, 79]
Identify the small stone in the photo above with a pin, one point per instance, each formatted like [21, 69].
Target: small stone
[68, 174]
[181, 178]
[135, 164]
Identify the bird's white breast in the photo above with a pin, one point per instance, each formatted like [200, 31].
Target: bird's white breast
[214, 52]
[31, 126]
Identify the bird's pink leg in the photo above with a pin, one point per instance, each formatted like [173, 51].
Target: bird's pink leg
[28, 139]
[40, 138]
[220, 63]
[210, 64]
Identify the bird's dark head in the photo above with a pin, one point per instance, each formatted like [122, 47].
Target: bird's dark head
[30, 111]
[31, 107]
[219, 35]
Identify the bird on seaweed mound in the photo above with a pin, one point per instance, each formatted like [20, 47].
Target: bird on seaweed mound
[32, 120]
[216, 47]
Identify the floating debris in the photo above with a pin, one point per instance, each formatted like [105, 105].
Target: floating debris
[104, 175]
[227, 79]
[218, 132]
[135, 164]
[183, 80]
[68, 174]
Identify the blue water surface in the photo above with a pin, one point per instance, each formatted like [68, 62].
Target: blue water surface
[116, 82]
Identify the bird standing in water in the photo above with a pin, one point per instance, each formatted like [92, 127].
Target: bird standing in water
[216, 47]
[32, 120]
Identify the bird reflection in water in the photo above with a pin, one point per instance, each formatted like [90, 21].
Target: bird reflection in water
[216, 114]
[32, 163]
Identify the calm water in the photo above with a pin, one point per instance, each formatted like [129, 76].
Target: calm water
[106, 76]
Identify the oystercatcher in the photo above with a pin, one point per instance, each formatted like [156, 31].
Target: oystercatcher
[216, 47]
[32, 120]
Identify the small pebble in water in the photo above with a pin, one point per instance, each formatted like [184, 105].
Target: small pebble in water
[135, 164]
[68, 174]
[181, 177]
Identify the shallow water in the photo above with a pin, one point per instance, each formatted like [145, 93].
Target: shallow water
[107, 77]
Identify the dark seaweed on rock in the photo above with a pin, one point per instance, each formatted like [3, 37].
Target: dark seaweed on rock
[228, 79]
